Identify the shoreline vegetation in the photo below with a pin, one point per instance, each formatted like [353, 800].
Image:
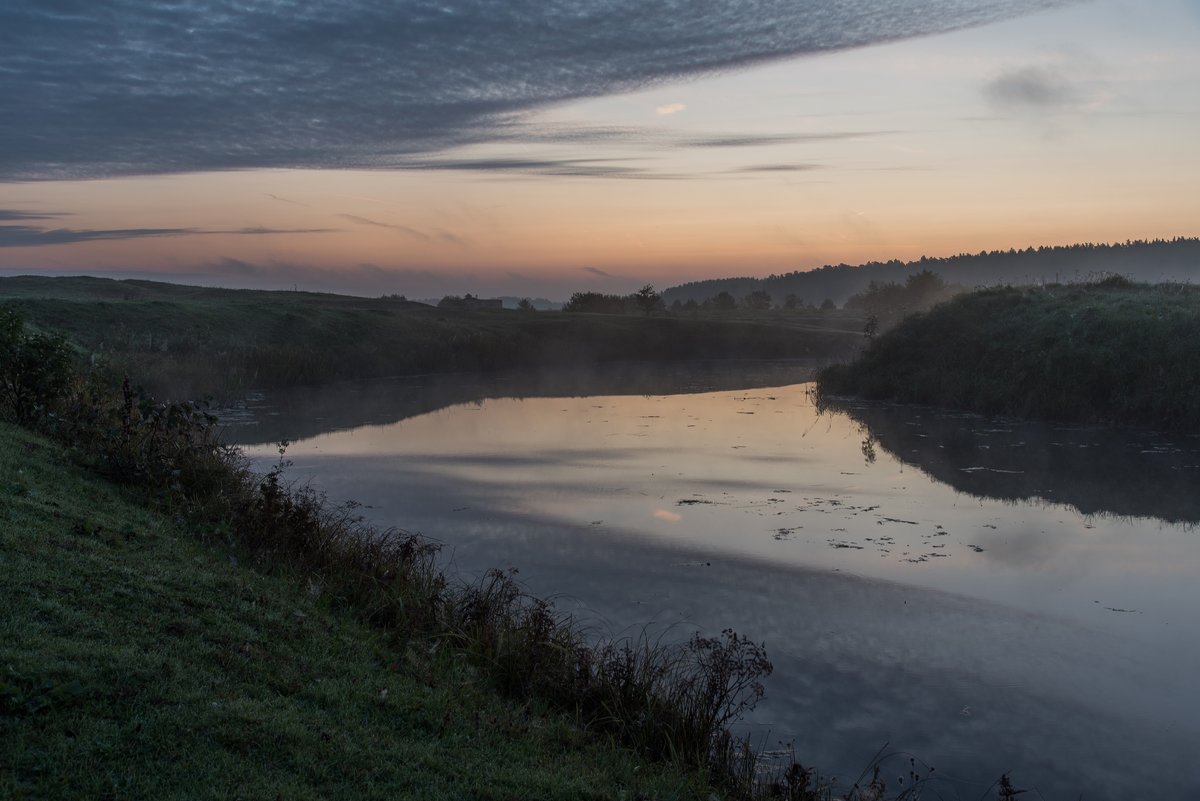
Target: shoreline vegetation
[140, 543]
[188, 342]
[183, 627]
[1108, 351]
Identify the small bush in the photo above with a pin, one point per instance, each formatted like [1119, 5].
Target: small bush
[35, 369]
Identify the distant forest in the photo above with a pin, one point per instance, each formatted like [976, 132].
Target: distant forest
[1153, 262]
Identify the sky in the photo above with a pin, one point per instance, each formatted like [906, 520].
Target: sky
[541, 147]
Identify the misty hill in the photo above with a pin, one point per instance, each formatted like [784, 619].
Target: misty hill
[187, 341]
[1150, 262]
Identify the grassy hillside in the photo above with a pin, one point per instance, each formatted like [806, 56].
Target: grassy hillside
[188, 341]
[139, 662]
[1104, 352]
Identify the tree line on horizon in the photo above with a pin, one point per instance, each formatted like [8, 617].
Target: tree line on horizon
[1151, 261]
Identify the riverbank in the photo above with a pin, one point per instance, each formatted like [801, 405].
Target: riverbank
[186, 341]
[177, 620]
[140, 661]
[1104, 352]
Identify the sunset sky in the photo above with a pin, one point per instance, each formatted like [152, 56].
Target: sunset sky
[539, 147]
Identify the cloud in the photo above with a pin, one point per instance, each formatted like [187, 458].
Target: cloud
[363, 279]
[404, 229]
[670, 108]
[439, 234]
[13, 215]
[1032, 89]
[578, 168]
[759, 140]
[289, 201]
[161, 86]
[599, 272]
[24, 236]
[777, 168]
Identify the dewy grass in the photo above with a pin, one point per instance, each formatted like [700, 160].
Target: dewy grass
[139, 662]
[1107, 351]
[669, 703]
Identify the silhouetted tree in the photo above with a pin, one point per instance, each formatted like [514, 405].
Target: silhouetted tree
[526, 305]
[758, 300]
[791, 302]
[595, 303]
[828, 305]
[647, 299]
[723, 301]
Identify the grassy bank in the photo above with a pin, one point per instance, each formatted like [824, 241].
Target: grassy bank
[1107, 352]
[186, 621]
[189, 341]
[139, 662]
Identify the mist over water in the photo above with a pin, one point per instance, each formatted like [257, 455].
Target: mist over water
[988, 595]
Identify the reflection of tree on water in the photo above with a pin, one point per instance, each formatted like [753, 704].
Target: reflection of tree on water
[308, 411]
[868, 448]
[1123, 472]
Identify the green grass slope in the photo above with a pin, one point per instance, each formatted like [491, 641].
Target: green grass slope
[188, 341]
[137, 662]
[1110, 352]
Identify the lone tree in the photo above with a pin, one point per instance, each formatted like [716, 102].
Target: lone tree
[758, 300]
[723, 301]
[647, 299]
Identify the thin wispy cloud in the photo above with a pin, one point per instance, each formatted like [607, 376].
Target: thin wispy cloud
[25, 236]
[759, 140]
[289, 201]
[404, 229]
[776, 168]
[15, 215]
[598, 271]
[436, 234]
[563, 167]
[670, 108]
[161, 86]
[363, 279]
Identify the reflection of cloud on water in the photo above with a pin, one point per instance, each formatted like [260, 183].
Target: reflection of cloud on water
[858, 662]
[1023, 546]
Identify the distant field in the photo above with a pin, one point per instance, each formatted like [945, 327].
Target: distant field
[1107, 352]
[189, 341]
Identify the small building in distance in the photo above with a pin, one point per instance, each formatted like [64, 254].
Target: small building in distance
[469, 301]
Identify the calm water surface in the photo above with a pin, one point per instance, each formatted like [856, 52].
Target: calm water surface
[988, 595]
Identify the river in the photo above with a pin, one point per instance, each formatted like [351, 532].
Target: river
[980, 595]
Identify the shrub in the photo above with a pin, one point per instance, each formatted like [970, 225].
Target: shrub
[35, 369]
